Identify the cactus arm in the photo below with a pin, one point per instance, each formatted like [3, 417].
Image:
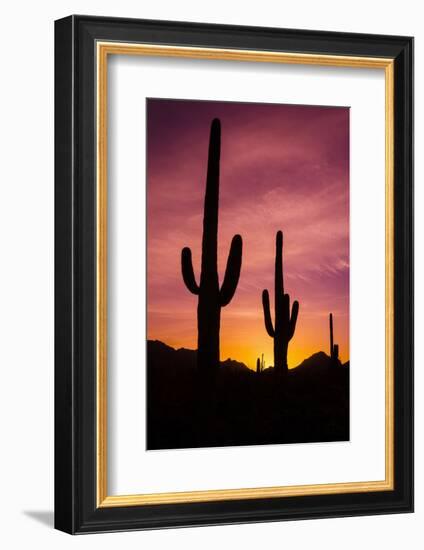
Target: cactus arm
[336, 352]
[232, 271]
[187, 271]
[293, 319]
[267, 314]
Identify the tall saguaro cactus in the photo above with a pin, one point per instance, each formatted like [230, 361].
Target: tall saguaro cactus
[334, 348]
[284, 323]
[212, 297]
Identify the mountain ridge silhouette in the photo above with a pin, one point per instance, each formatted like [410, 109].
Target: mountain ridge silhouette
[241, 406]
[318, 359]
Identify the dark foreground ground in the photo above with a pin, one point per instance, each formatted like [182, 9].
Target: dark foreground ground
[243, 408]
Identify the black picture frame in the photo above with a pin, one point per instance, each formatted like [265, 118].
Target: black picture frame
[76, 509]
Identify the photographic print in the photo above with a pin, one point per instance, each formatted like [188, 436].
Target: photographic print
[216, 271]
[247, 274]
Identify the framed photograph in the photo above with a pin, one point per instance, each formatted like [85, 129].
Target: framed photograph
[234, 274]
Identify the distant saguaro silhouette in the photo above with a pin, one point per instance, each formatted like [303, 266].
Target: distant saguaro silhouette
[211, 297]
[258, 366]
[284, 323]
[334, 348]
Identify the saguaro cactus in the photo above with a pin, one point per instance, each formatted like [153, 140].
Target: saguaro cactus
[284, 323]
[334, 348]
[211, 297]
[258, 366]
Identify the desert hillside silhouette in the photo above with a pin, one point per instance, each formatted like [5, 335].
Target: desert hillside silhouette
[196, 400]
[310, 404]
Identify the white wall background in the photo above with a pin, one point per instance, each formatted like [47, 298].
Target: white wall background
[26, 273]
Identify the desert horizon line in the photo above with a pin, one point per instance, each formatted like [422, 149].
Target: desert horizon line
[194, 350]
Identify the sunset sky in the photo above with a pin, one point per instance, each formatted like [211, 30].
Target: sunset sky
[282, 167]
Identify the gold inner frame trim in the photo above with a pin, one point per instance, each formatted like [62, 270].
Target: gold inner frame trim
[103, 50]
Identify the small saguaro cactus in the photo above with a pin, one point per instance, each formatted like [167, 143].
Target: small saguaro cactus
[260, 364]
[284, 323]
[334, 348]
[212, 297]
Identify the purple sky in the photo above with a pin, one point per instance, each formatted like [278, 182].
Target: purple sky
[282, 167]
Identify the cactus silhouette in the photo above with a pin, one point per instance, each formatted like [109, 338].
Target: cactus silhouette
[258, 366]
[212, 297]
[334, 348]
[284, 323]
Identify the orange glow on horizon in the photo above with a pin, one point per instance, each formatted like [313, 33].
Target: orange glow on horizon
[246, 340]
